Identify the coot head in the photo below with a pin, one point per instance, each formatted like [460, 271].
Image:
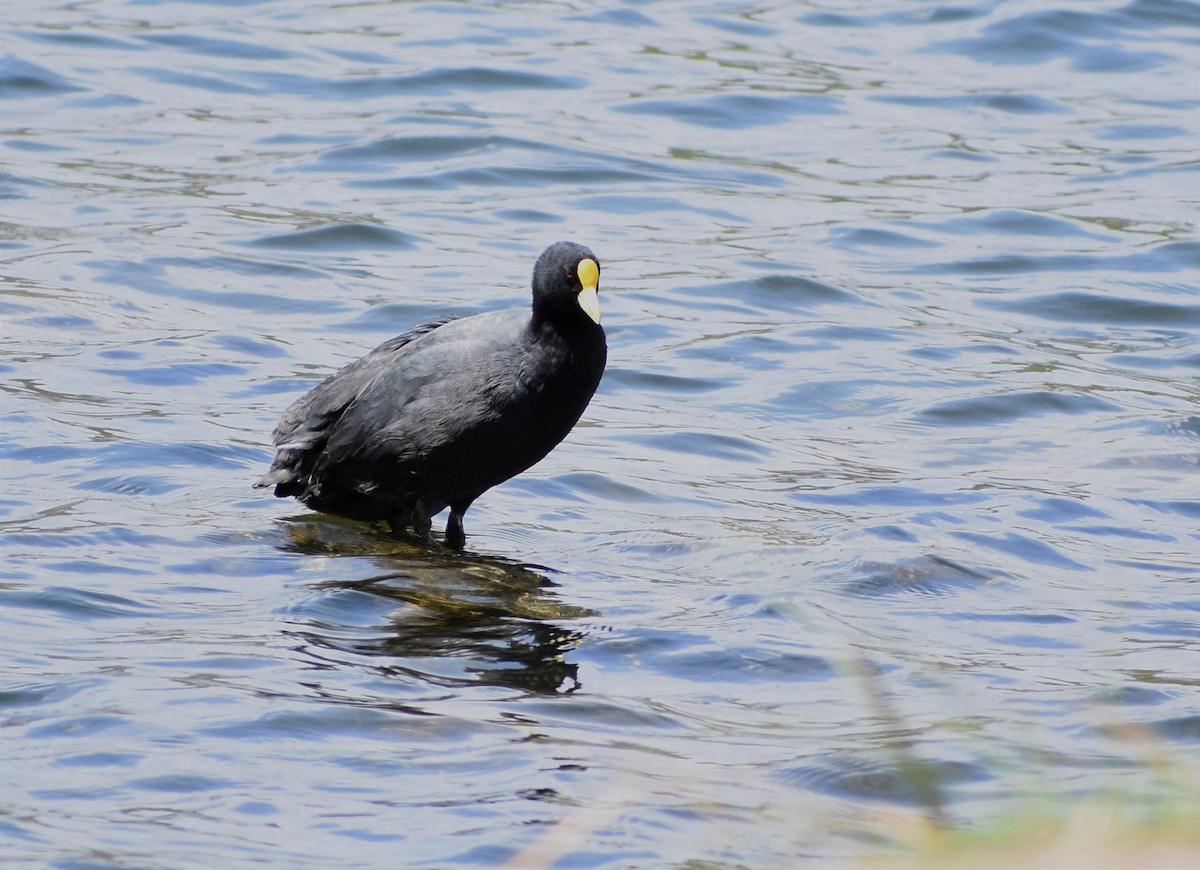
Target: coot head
[566, 279]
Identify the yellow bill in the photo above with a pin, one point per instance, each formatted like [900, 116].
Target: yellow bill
[589, 277]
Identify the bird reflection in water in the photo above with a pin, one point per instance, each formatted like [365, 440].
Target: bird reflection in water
[502, 616]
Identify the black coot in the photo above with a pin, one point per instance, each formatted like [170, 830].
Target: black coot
[438, 415]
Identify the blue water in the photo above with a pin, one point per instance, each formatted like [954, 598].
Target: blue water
[894, 466]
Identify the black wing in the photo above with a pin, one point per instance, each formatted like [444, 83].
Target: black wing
[304, 429]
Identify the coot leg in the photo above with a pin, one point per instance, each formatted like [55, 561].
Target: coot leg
[400, 521]
[455, 536]
[421, 524]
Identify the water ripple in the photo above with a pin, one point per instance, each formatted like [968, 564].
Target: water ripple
[20, 79]
[153, 276]
[1040, 37]
[1016, 104]
[990, 410]
[1076, 306]
[736, 111]
[780, 292]
[927, 575]
[338, 237]
[1025, 548]
[216, 47]
[70, 601]
[1167, 257]
[434, 82]
[873, 779]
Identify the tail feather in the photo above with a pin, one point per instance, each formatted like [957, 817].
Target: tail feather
[288, 473]
[275, 476]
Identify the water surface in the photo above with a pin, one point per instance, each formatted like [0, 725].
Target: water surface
[894, 466]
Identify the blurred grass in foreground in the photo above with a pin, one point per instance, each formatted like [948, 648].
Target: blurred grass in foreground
[1109, 833]
[1108, 830]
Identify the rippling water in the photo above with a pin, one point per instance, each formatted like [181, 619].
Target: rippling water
[895, 462]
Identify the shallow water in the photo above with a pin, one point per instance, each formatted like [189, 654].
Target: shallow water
[894, 466]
